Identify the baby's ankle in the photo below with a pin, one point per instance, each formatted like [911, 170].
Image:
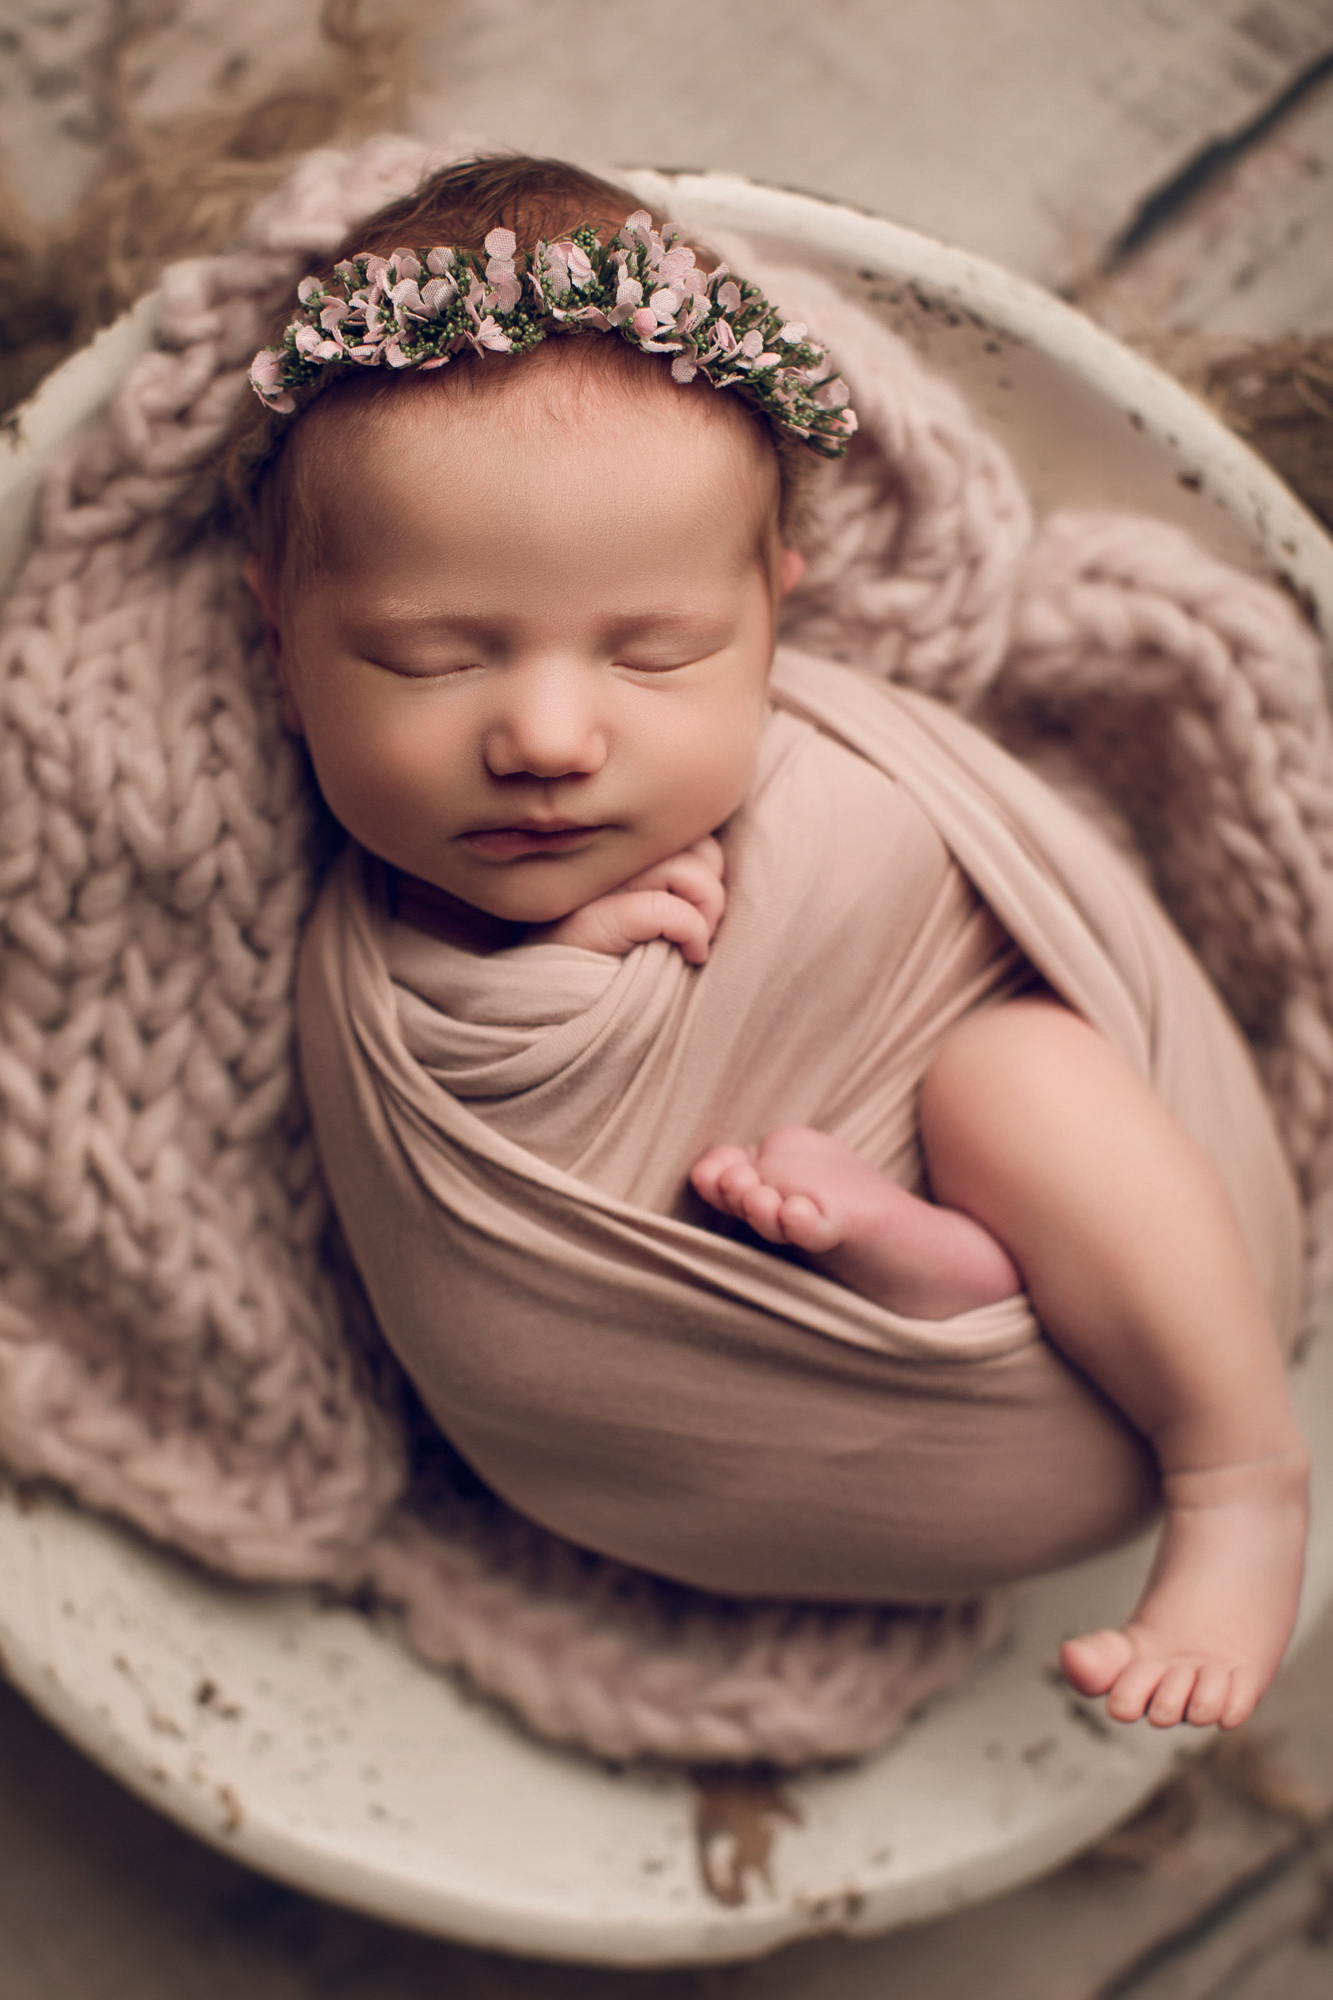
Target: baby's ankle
[1280, 1479]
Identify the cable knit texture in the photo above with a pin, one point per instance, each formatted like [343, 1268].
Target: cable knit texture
[174, 1342]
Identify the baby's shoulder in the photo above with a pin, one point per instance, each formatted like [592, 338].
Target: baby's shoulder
[817, 806]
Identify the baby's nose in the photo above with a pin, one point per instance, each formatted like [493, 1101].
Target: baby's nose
[548, 727]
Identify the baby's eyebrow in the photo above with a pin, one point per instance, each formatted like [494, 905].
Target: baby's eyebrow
[418, 619]
[666, 620]
[414, 614]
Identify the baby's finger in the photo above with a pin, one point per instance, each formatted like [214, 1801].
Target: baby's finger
[688, 876]
[656, 913]
[710, 853]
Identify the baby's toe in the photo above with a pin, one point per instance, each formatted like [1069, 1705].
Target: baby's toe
[806, 1225]
[1135, 1688]
[1093, 1663]
[1173, 1693]
[1242, 1698]
[707, 1171]
[1211, 1687]
[725, 1177]
[761, 1207]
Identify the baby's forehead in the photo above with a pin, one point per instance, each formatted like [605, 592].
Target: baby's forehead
[566, 391]
[574, 380]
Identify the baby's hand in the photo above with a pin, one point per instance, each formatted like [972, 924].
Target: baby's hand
[680, 899]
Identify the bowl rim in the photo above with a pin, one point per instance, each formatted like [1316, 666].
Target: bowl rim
[1286, 538]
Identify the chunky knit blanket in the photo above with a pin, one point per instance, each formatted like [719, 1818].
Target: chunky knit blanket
[180, 1340]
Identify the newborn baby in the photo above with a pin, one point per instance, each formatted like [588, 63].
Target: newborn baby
[523, 611]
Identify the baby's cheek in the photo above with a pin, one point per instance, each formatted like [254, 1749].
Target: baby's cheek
[372, 772]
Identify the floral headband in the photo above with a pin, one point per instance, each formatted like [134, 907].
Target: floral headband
[418, 309]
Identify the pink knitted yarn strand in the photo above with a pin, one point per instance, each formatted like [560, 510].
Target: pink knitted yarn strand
[172, 1340]
[914, 548]
[1195, 693]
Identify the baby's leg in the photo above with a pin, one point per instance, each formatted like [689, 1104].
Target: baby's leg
[808, 1189]
[1131, 1253]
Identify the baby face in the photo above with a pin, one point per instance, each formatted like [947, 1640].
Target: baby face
[533, 657]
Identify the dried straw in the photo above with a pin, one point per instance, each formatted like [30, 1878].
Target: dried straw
[180, 188]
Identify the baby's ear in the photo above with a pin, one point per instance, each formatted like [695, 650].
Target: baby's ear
[261, 589]
[791, 568]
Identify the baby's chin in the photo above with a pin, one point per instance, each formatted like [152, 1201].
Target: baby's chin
[502, 919]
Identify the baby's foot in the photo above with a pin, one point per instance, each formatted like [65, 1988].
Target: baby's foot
[809, 1190]
[1213, 1623]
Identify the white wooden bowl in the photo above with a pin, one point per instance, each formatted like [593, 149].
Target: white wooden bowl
[306, 1741]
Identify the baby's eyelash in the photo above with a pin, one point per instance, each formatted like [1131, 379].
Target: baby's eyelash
[445, 670]
[652, 666]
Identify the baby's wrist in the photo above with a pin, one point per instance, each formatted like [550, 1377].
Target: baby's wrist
[586, 929]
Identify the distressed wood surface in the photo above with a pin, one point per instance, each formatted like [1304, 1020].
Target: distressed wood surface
[1171, 163]
[895, 108]
[1245, 255]
[1034, 133]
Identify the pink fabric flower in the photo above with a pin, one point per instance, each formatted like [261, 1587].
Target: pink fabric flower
[676, 266]
[437, 294]
[500, 273]
[505, 286]
[266, 372]
[491, 335]
[832, 395]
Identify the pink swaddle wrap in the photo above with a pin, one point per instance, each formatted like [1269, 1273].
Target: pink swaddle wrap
[669, 1395]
